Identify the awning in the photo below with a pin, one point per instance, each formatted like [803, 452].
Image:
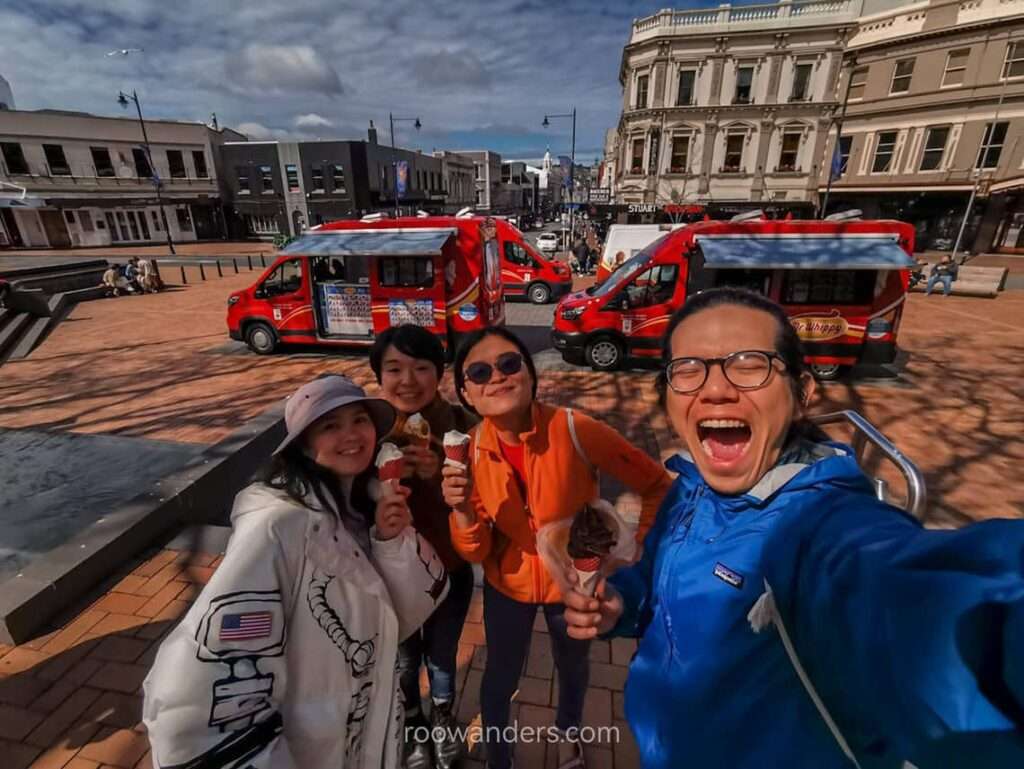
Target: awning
[846, 252]
[374, 242]
[27, 202]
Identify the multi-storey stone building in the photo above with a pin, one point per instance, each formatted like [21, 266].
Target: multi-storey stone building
[729, 103]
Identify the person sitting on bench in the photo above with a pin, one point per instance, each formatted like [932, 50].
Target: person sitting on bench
[945, 271]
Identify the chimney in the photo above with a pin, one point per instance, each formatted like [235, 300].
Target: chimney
[372, 134]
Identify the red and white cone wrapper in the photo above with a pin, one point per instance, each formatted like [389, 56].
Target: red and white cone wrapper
[390, 463]
[587, 573]
[418, 430]
[456, 449]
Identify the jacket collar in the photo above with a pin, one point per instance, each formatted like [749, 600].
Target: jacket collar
[536, 437]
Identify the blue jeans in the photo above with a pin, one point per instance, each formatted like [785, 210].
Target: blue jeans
[947, 284]
[437, 644]
[509, 624]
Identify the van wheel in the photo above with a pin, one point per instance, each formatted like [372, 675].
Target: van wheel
[261, 338]
[827, 372]
[539, 293]
[605, 354]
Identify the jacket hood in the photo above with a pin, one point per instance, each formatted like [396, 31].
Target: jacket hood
[803, 465]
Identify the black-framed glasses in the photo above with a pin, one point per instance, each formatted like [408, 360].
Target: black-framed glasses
[508, 363]
[745, 370]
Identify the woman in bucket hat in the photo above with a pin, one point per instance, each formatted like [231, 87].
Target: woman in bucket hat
[288, 657]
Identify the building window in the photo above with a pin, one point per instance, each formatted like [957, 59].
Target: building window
[479, 171]
[934, 148]
[845, 143]
[1014, 64]
[679, 161]
[242, 172]
[199, 161]
[884, 152]
[184, 219]
[338, 179]
[901, 76]
[686, 94]
[789, 152]
[641, 91]
[317, 175]
[85, 219]
[101, 160]
[292, 173]
[157, 226]
[176, 163]
[14, 158]
[992, 145]
[956, 67]
[56, 161]
[858, 79]
[142, 168]
[801, 82]
[733, 153]
[69, 216]
[143, 225]
[261, 225]
[744, 82]
[636, 166]
[267, 179]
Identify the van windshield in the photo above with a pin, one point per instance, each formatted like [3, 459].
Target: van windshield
[631, 265]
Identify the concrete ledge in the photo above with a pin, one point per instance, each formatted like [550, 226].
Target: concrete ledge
[200, 494]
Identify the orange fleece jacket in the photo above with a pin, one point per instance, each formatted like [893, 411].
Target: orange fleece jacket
[559, 483]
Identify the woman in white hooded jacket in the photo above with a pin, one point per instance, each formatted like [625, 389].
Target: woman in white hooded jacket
[288, 657]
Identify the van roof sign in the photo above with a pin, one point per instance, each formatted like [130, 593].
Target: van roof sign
[788, 252]
[371, 242]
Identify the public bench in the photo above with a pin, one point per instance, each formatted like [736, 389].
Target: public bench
[985, 282]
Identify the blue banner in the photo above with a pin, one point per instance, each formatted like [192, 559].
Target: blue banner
[401, 177]
[837, 162]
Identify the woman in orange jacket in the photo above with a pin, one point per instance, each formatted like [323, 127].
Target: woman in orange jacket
[530, 464]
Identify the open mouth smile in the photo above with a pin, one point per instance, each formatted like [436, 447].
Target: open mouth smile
[724, 441]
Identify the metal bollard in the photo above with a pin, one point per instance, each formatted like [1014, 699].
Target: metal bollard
[248, 258]
[202, 271]
[263, 261]
[234, 263]
[220, 273]
[184, 279]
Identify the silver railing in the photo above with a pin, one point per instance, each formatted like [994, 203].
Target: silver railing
[866, 433]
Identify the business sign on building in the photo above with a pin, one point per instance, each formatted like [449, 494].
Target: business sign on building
[600, 195]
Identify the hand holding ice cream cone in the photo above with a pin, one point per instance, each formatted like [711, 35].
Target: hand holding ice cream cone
[390, 463]
[417, 429]
[456, 449]
[590, 541]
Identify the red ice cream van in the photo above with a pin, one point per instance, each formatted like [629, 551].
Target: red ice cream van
[843, 284]
[347, 281]
[526, 273]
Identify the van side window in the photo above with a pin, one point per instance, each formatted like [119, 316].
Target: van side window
[757, 281]
[829, 287]
[653, 286]
[286, 279]
[516, 254]
[406, 271]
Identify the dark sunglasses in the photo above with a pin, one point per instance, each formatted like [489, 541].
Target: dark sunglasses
[508, 363]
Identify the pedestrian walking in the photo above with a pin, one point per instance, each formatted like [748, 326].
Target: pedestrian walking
[530, 465]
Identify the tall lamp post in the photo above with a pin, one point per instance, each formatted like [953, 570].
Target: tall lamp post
[417, 125]
[572, 166]
[123, 99]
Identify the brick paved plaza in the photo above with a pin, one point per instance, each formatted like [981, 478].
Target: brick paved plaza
[161, 367]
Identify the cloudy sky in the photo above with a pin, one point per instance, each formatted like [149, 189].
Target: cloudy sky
[478, 74]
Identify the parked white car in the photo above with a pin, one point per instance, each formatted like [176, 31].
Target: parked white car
[547, 242]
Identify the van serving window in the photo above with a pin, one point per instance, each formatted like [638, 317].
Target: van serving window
[406, 272]
[832, 287]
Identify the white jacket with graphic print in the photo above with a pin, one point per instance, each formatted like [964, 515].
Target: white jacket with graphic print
[288, 657]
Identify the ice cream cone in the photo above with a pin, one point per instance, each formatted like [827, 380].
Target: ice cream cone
[390, 463]
[418, 430]
[587, 573]
[456, 448]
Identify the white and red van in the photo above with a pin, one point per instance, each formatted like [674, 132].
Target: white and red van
[843, 284]
[525, 273]
[347, 281]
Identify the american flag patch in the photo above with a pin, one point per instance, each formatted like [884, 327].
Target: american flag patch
[246, 626]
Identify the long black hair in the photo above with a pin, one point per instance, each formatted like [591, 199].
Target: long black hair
[787, 344]
[476, 337]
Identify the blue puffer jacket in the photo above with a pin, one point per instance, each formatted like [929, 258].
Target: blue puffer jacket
[914, 639]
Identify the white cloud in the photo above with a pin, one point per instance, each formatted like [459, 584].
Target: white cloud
[259, 131]
[285, 68]
[312, 120]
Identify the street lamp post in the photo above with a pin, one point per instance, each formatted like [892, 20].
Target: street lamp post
[417, 125]
[572, 167]
[123, 99]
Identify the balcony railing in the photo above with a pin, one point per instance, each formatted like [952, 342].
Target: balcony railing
[782, 14]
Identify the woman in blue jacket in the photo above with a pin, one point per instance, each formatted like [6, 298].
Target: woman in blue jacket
[786, 617]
